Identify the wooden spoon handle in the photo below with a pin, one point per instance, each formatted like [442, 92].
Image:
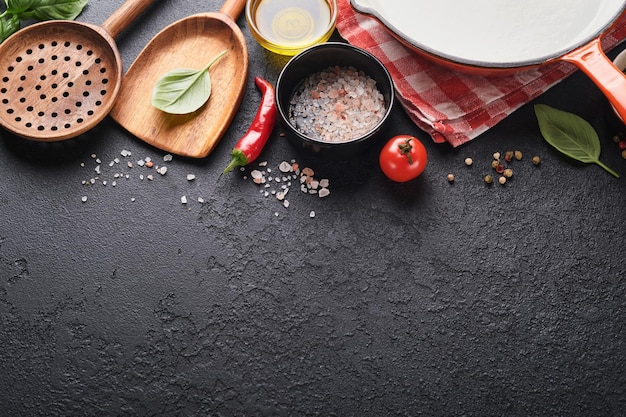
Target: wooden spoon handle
[122, 17]
[233, 8]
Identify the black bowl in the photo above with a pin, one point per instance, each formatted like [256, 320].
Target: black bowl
[316, 59]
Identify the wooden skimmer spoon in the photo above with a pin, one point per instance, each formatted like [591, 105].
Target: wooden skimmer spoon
[60, 78]
[188, 43]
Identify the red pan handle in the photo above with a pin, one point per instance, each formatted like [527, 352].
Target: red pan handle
[611, 80]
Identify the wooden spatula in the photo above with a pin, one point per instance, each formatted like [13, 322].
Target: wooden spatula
[191, 42]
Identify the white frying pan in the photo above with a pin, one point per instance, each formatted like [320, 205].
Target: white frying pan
[498, 35]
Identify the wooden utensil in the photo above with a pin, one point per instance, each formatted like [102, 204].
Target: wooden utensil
[188, 43]
[60, 78]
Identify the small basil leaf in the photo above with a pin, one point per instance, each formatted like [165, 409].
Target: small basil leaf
[571, 135]
[183, 90]
[8, 26]
[18, 7]
[56, 9]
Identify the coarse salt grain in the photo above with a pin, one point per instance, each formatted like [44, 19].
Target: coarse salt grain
[336, 105]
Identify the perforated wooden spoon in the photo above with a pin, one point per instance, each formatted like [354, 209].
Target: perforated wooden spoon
[60, 78]
[188, 43]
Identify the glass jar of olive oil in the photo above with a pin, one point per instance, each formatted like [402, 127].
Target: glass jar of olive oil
[288, 26]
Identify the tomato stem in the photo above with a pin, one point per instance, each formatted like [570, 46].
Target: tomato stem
[405, 149]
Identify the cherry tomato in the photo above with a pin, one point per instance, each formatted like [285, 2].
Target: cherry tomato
[403, 158]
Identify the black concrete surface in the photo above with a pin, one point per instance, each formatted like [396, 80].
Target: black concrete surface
[420, 299]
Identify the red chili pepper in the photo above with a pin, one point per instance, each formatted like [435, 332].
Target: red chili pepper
[252, 142]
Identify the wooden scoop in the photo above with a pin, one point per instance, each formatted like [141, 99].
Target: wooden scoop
[188, 43]
[60, 78]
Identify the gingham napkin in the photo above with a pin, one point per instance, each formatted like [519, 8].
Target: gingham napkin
[451, 106]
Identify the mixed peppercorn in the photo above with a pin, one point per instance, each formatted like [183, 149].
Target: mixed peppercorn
[501, 164]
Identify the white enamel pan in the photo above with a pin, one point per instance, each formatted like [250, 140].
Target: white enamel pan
[494, 36]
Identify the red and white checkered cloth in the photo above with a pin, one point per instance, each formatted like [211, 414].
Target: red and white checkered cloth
[451, 106]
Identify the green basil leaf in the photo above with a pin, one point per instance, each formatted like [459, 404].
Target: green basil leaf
[56, 9]
[571, 135]
[183, 90]
[18, 7]
[8, 26]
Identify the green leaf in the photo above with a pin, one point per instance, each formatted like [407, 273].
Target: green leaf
[18, 7]
[183, 90]
[571, 135]
[54, 9]
[8, 26]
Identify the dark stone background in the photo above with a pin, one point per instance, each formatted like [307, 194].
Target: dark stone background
[426, 298]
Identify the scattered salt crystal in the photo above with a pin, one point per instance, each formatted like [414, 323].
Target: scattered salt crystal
[191, 177]
[84, 199]
[116, 160]
[141, 162]
[93, 156]
[150, 177]
[312, 214]
[111, 163]
[129, 164]
[125, 153]
[256, 174]
[114, 183]
[324, 192]
[200, 200]
[183, 199]
[308, 172]
[141, 177]
[132, 199]
[286, 203]
[98, 161]
[104, 183]
[284, 166]
[324, 183]
[97, 169]
[280, 196]
[82, 164]
[162, 170]
[168, 157]
[263, 164]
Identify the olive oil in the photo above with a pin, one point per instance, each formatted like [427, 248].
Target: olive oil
[289, 23]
